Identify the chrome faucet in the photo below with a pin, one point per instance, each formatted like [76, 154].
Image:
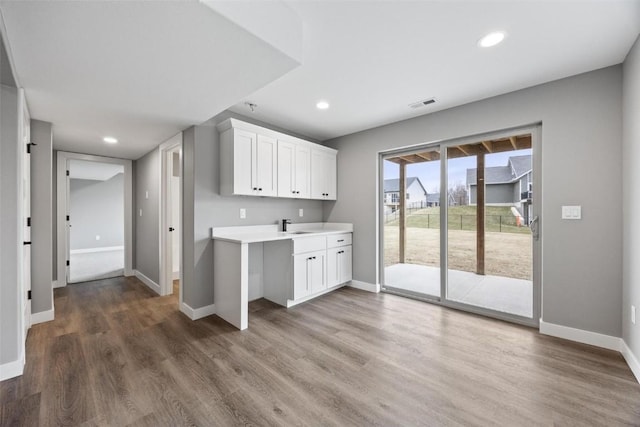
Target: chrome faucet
[284, 224]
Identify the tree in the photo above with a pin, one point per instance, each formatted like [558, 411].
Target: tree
[458, 193]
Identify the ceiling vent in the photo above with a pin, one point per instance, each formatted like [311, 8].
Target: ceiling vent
[422, 103]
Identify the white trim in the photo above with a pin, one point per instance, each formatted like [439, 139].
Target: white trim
[364, 286]
[197, 313]
[91, 250]
[55, 284]
[580, 335]
[150, 283]
[631, 359]
[176, 275]
[61, 184]
[42, 316]
[11, 369]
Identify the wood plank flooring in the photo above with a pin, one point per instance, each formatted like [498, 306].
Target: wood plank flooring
[116, 354]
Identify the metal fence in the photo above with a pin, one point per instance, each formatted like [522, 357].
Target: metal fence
[499, 223]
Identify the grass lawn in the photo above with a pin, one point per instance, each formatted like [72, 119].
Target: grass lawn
[497, 218]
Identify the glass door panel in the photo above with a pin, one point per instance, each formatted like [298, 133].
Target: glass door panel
[411, 230]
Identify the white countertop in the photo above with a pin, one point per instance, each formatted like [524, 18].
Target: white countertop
[267, 233]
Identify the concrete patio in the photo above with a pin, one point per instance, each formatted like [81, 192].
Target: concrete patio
[504, 294]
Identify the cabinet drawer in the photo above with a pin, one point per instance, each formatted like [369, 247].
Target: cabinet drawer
[337, 240]
[308, 244]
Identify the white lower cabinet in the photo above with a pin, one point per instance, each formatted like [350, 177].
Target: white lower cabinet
[309, 274]
[338, 265]
[298, 270]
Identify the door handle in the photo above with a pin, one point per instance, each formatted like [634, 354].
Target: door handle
[535, 227]
[171, 229]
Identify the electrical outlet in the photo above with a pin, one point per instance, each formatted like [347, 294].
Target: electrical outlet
[140, 212]
[300, 212]
[243, 213]
[633, 314]
[146, 194]
[98, 237]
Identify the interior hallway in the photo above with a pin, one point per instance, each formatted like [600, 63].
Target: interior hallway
[117, 354]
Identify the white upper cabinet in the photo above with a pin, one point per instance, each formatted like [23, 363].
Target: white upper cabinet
[294, 171]
[323, 173]
[256, 161]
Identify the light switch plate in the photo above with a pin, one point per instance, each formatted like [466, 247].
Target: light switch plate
[572, 212]
[243, 213]
[146, 194]
[301, 212]
[140, 212]
[633, 314]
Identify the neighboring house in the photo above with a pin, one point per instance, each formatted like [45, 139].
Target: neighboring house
[508, 185]
[416, 194]
[433, 200]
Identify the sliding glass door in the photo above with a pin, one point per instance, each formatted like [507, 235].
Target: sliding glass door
[482, 257]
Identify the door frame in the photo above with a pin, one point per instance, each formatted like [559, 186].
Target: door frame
[166, 250]
[24, 139]
[62, 211]
[535, 129]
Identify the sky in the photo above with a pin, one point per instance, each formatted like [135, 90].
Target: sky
[429, 172]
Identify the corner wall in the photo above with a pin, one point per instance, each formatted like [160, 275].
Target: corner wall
[147, 227]
[631, 202]
[581, 152]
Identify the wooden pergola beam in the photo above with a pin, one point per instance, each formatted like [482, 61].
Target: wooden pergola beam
[513, 139]
[402, 232]
[462, 148]
[487, 146]
[480, 208]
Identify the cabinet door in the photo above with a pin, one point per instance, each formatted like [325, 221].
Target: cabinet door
[302, 171]
[330, 173]
[318, 272]
[317, 174]
[333, 266]
[346, 260]
[302, 275]
[244, 154]
[265, 165]
[286, 169]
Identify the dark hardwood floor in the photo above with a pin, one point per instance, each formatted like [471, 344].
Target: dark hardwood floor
[116, 354]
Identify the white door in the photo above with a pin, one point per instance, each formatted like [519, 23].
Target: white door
[286, 169]
[26, 206]
[244, 144]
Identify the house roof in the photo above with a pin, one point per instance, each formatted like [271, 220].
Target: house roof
[391, 185]
[434, 197]
[515, 168]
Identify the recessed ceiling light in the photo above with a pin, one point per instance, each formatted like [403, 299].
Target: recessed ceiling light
[110, 140]
[322, 105]
[491, 39]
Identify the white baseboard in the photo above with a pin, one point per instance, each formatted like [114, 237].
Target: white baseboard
[43, 316]
[631, 359]
[150, 283]
[364, 286]
[176, 275]
[55, 284]
[11, 369]
[197, 313]
[580, 335]
[92, 250]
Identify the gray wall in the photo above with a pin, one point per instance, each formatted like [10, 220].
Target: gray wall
[146, 228]
[96, 208]
[631, 198]
[497, 193]
[41, 216]
[10, 226]
[205, 208]
[581, 154]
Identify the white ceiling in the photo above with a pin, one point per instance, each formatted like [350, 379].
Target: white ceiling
[371, 59]
[144, 70]
[140, 71]
[82, 169]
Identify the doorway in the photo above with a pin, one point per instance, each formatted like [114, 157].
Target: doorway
[66, 222]
[171, 217]
[459, 224]
[96, 220]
